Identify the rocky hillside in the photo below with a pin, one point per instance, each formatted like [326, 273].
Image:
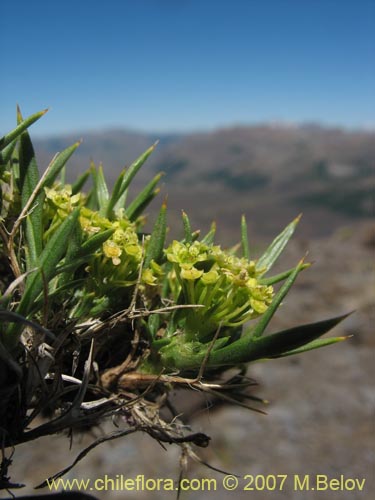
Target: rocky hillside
[270, 173]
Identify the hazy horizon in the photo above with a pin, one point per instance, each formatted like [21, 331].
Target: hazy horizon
[209, 130]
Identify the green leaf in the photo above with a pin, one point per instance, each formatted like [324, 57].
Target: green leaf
[278, 298]
[280, 343]
[53, 252]
[58, 163]
[29, 178]
[92, 201]
[80, 182]
[153, 324]
[46, 270]
[135, 166]
[74, 245]
[315, 344]
[274, 345]
[72, 266]
[121, 202]
[188, 234]
[142, 207]
[155, 247]
[120, 189]
[244, 239]
[101, 190]
[54, 295]
[116, 193]
[94, 242]
[266, 261]
[141, 201]
[272, 280]
[195, 235]
[79, 253]
[22, 126]
[62, 179]
[6, 153]
[208, 239]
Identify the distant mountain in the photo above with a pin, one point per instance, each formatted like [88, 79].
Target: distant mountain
[269, 172]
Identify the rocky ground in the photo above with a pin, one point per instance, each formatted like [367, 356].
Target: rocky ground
[321, 412]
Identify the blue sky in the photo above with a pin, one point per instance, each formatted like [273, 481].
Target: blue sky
[178, 65]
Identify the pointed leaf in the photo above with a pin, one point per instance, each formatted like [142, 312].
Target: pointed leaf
[248, 349]
[244, 239]
[116, 193]
[53, 252]
[72, 266]
[119, 195]
[94, 242]
[101, 189]
[156, 244]
[29, 177]
[22, 126]
[62, 179]
[121, 202]
[153, 325]
[188, 235]
[278, 298]
[208, 239]
[266, 261]
[195, 235]
[47, 266]
[280, 277]
[92, 200]
[294, 338]
[74, 245]
[142, 207]
[58, 291]
[58, 163]
[80, 182]
[135, 166]
[141, 201]
[6, 153]
[315, 344]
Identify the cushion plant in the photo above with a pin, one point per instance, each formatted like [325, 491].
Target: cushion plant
[98, 318]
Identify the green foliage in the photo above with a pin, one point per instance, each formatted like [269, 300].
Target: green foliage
[94, 240]
[86, 253]
[84, 283]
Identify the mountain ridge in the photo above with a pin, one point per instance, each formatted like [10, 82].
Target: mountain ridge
[268, 171]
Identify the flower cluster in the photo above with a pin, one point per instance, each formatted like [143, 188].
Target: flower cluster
[117, 262]
[225, 285]
[58, 205]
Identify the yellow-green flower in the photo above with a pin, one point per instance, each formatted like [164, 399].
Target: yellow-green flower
[226, 285]
[210, 277]
[92, 223]
[112, 251]
[187, 253]
[61, 199]
[190, 272]
[148, 277]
